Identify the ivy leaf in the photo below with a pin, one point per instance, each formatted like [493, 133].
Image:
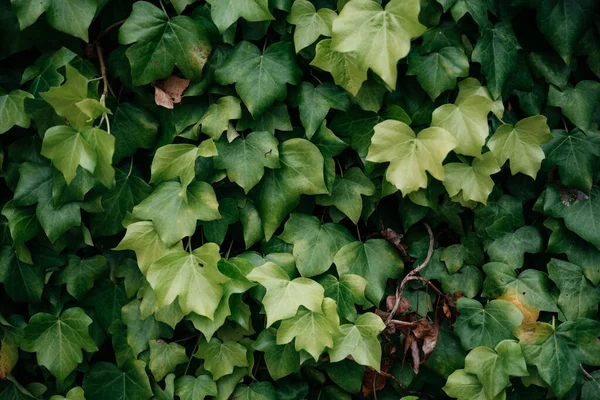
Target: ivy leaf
[225, 13]
[396, 142]
[577, 103]
[190, 388]
[472, 87]
[438, 71]
[466, 121]
[359, 341]
[301, 172]
[245, 159]
[22, 222]
[472, 182]
[23, 282]
[107, 381]
[281, 360]
[521, 144]
[182, 275]
[496, 51]
[494, 367]
[256, 391]
[576, 155]
[69, 331]
[160, 43]
[140, 331]
[551, 67]
[479, 326]
[133, 128]
[164, 357]
[511, 247]
[315, 103]
[557, 353]
[346, 68]
[74, 394]
[71, 100]
[310, 23]
[284, 295]
[217, 117]
[275, 118]
[346, 193]
[260, 79]
[464, 386]
[315, 244]
[578, 297]
[180, 209]
[563, 23]
[220, 358]
[12, 110]
[80, 274]
[376, 260]
[174, 160]
[531, 291]
[477, 8]
[347, 291]
[380, 37]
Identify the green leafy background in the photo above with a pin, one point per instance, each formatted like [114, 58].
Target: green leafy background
[248, 238]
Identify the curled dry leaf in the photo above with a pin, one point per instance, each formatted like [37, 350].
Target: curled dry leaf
[169, 92]
[422, 341]
[396, 239]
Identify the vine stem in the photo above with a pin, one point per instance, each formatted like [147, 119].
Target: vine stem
[411, 274]
[164, 9]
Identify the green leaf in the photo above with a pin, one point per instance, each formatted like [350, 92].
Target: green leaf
[315, 103]
[473, 182]
[23, 282]
[438, 71]
[466, 121]
[107, 381]
[275, 118]
[12, 110]
[279, 193]
[245, 159]
[256, 391]
[226, 12]
[174, 160]
[160, 43]
[345, 67]
[493, 368]
[396, 142]
[315, 244]
[376, 260]
[477, 8]
[577, 103]
[22, 222]
[80, 274]
[310, 23]
[133, 128]
[190, 388]
[284, 295]
[217, 117]
[464, 386]
[347, 291]
[564, 22]
[220, 358]
[359, 341]
[140, 331]
[531, 291]
[479, 326]
[380, 37]
[69, 332]
[511, 247]
[346, 374]
[180, 208]
[578, 297]
[551, 67]
[74, 394]
[311, 331]
[521, 144]
[260, 79]
[164, 357]
[281, 360]
[496, 51]
[182, 275]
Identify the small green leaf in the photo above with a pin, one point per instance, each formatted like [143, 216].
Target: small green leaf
[190, 388]
[80, 274]
[359, 341]
[220, 358]
[472, 182]
[577, 103]
[315, 103]
[217, 117]
[12, 110]
[281, 360]
[511, 247]
[345, 67]
[164, 357]
[310, 23]
[226, 12]
[578, 297]
[107, 381]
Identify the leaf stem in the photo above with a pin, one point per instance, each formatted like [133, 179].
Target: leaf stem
[164, 10]
[130, 169]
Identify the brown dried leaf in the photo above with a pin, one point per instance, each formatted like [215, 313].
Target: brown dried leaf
[396, 239]
[169, 92]
[403, 307]
[373, 381]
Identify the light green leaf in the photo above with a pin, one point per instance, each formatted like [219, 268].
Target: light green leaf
[472, 182]
[376, 260]
[217, 117]
[410, 155]
[479, 326]
[174, 160]
[164, 357]
[190, 388]
[67, 149]
[578, 297]
[284, 295]
[472, 87]
[107, 381]
[464, 386]
[74, 394]
[577, 103]
[226, 12]
[380, 37]
[69, 332]
[315, 103]
[454, 257]
[245, 159]
[359, 341]
[220, 358]
[347, 291]
[310, 23]
[180, 209]
[346, 68]
[260, 79]
[521, 144]
[160, 43]
[438, 71]
[80, 274]
[511, 247]
[12, 110]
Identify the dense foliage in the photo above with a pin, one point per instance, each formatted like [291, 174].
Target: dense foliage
[288, 199]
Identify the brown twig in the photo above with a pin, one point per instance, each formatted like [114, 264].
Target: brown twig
[397, 382]
[418, 278]
[102, 71]
[110, 28]
[408, 277]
